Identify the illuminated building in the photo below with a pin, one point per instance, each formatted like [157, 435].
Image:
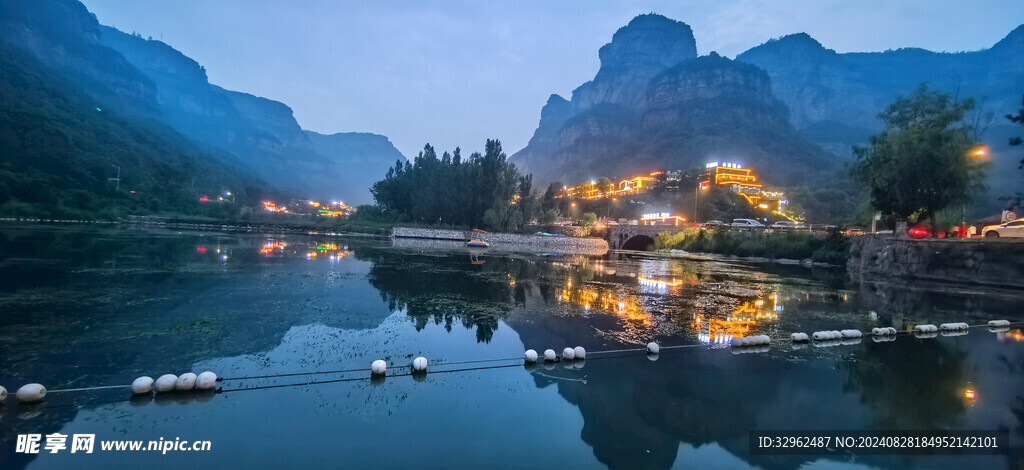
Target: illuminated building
[737, 178]
[661, 218]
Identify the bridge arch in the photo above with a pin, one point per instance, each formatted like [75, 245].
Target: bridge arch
[638, 242]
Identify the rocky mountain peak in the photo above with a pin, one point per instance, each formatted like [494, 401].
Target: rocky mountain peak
[1013, 41]
[649, 40]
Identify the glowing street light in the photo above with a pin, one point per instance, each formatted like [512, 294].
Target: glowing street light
[979, 151]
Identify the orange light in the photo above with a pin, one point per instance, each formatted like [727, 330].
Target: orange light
[970, 395]
[980, 151]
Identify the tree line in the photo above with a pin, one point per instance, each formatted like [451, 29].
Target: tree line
[484, 190]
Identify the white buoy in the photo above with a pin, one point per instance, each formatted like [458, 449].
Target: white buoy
[378, 367]
[531, 355]
[826, 335]
[999, 329]
[925, 329]
[549, 355]
[186, 381]
[851, 333]
[142, 384]
[206, 381]
[955, 332]
[580, 352]
[653, 348]
[568, 354]
[165, 383]
[419, 364]
[800, 337]
[3, 393]
[954, 326]
[31, 393]
[999, 323]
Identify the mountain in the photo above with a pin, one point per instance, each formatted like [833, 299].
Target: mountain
[262, 131]
[360, 156]
[654, 104]
[59, 147]
[834, 98]
[146, 80]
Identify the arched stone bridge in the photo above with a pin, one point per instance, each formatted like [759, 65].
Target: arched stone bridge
[637, 237]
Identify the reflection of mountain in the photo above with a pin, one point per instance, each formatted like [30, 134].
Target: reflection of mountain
[443, 289]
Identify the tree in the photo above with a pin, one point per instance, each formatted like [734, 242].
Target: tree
[921, 162]
[588, 219]
[483, 190]
[1019, 119]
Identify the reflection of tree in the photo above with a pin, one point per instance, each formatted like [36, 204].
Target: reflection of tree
[910, 384]
[443, 289]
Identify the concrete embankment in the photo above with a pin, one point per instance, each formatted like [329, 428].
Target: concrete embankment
[512, 241]
[973, 261]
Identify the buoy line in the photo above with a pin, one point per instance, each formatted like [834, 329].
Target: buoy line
[206, 381]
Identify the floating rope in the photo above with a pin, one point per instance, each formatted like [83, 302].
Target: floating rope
[406, 370]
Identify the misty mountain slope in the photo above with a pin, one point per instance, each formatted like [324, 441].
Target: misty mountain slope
[59, 147]
[360, 156]
[261, 131]
[147, 79]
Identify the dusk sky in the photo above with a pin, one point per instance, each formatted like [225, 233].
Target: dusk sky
[455, 73]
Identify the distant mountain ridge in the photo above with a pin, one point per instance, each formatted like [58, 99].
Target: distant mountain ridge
[147, 79]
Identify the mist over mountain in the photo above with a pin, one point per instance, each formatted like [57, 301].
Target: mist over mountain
[144, 79]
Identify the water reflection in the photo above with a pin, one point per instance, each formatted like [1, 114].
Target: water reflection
[254, 303]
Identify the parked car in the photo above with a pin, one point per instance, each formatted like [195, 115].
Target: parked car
[919, 232]
[747, 224]
[1014, 228]
[715, 224]
[821, 228]
[854, 231]
[786, 225]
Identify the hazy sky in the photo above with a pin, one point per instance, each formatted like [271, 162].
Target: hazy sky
[455, 73]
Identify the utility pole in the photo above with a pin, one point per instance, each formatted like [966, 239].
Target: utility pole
[118, 179]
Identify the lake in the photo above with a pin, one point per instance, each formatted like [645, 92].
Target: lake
[87, 306]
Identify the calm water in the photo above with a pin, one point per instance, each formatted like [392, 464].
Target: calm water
[84, 307]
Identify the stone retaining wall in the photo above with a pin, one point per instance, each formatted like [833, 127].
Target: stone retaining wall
[974, 261]
[513, 241]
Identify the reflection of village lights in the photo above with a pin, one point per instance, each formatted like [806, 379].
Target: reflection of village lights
[970, 395]
[225, 257]
[201, 249]
[657, 283]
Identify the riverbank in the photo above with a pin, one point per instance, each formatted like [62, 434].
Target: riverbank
[998, 263]
[511, 241]
[824, 248]
[681, 254]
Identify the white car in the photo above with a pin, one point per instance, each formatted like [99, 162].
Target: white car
[1013, 228]
[786, 225]
[747, 224]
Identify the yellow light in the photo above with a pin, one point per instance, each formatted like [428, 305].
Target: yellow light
[980, 151]
[574, 204]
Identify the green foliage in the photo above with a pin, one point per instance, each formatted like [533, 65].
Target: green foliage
[484, 190]
[588, 219]
[548, 216]
[59, 147]
[920, 163]
[832, 248]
